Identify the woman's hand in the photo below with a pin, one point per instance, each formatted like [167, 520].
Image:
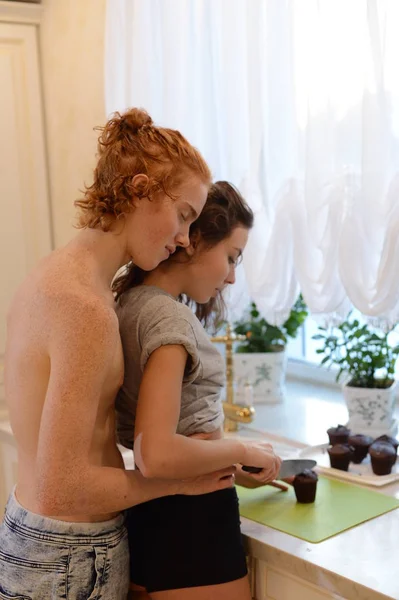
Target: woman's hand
[261, 454]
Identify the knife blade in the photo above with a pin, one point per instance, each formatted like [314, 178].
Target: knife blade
[292, 467]
[288, 468]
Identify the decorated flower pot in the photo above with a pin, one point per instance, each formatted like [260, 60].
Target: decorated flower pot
[265, 371]
[371, 410]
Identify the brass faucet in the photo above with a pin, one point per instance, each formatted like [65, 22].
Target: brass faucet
[233, 413]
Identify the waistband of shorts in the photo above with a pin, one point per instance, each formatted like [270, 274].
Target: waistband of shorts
[29, 524]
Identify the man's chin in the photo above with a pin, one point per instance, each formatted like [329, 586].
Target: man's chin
[149, 265]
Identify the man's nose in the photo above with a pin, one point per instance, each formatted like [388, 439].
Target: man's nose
[182, 239]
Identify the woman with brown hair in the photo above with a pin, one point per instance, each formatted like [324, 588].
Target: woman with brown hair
[169, 410]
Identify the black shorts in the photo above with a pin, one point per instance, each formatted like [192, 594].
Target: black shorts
[186, 541]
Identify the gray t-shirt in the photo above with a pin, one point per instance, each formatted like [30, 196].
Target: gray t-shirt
[149, 318]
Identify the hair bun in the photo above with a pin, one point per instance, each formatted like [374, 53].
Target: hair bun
[135, 119]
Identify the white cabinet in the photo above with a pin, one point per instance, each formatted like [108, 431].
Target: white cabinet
[269, 583]
[25, 224]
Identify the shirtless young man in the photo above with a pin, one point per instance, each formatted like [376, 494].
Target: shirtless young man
[63, 535]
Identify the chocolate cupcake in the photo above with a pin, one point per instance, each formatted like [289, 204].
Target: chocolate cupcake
[305, 485]
[360, 444]
[338, 434]
[383, 457]
[340, 456]
[389, 440]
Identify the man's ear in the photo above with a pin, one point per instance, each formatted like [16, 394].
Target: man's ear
[139, 186]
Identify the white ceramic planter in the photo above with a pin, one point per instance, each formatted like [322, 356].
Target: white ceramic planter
[371, 410]
[265, 372]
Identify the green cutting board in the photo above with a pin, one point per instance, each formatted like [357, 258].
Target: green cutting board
[338, 506]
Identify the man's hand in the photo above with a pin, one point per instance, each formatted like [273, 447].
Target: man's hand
[252, 480]
[204, 484]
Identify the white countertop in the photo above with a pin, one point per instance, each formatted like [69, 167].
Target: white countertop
[359, 563]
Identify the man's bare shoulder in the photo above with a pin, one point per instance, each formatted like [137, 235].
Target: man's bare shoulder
[79, 308]
[57, 297]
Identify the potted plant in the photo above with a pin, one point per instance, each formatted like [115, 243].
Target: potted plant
[261, 359]
[367, 358]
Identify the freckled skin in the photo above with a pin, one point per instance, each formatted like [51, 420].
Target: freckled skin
[53, 309]
[64, 365]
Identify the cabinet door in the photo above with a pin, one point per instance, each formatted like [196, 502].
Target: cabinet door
[25, 230]
[271, 583]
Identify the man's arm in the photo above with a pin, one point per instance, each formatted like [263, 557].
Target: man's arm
[82, 344]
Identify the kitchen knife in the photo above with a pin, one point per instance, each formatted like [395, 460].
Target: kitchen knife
[288, 468]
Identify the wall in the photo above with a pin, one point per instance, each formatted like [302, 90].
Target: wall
[25, 225]
[72, 50]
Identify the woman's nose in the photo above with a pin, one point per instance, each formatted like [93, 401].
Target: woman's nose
[231, 277]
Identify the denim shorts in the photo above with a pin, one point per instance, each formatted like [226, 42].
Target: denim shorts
[42, 558]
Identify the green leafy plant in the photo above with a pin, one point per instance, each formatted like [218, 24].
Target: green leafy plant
[263, 337]
[361, 351]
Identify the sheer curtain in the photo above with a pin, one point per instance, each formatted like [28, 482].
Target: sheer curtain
[296, 103]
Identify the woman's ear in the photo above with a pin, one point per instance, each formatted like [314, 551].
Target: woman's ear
[190, 250]
[194, 241]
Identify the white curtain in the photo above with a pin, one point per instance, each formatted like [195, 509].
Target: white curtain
[297, 103]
